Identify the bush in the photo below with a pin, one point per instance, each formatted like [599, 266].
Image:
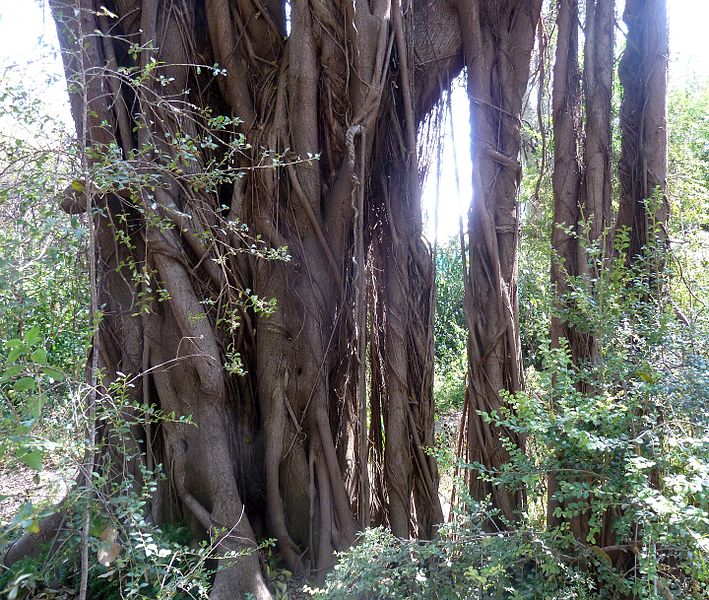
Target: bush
[624, 436]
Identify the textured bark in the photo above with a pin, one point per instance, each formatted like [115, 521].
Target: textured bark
[597, 150]
[285, 451]
[582, 176]
[566, 182]
[582, 158]
[567, 172]
[498, 38]
[643, 208]
[643, 123]
[402, 288]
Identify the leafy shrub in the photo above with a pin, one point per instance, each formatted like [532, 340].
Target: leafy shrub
[624, 436]
[463, 562]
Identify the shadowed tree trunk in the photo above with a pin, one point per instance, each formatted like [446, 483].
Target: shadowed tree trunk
[582, 157]
[567, 172]
[597, 149]
[581, 178]
[566, 182]
[643, 209]
[282, 445]
[402, 289]
[498, 38]
[643, 124]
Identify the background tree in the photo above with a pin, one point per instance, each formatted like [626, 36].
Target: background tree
[643, 207]
[581, 181]
[498, 40]
[582, 153]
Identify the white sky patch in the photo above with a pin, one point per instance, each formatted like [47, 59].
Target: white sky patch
[689, 50]
[29, 54]
[455, 184]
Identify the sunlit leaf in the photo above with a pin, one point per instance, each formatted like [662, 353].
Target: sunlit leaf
[39, 356]
[32, 336]
[14, 354]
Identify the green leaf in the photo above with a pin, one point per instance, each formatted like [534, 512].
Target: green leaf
[39, 356]
[25, 383]
[35, 405]
[32, 336]
[11, 372]
[14, 354]
[55, 374]
[33, 458]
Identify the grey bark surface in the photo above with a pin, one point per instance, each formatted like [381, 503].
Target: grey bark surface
[643, 122]
[581, 179]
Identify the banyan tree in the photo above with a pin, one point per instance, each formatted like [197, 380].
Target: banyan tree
[252, 170]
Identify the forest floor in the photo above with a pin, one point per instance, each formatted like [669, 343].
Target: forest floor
[20, 484]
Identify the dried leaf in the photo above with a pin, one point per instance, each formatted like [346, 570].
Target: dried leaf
[108, 552]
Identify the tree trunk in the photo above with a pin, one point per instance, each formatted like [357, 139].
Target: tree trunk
[582, 158]
[498, 38]
[567, 173]
[643, 124]
[597, 150]
[581, 180]
[282, 449]
[643, 209]
[566, 183]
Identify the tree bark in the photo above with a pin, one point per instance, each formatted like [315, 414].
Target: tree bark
[581, 181]
[498, 38]
[567, 172]
[281, 451]
[597, 151]
[643, 124]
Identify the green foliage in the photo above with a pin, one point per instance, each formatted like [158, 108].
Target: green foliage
[41, 283]
[140, 562]
[450, 329]
[450, 324]
[624, 436]
[131, 556]
[26, 381]
[534, 288]
[43, 296]
[463, 562]
[688, 190]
